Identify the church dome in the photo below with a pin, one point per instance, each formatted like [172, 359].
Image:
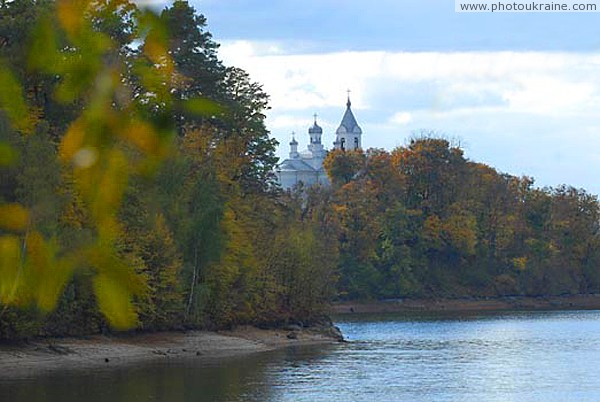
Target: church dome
[315, 129]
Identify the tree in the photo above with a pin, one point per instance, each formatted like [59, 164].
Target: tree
[431, 169]
[343, 166]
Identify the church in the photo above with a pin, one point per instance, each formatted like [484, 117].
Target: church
[307, 166]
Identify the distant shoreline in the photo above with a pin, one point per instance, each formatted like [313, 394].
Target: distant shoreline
[45, 355]
[575, 302]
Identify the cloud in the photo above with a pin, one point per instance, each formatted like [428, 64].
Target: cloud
[535, 113]
[544, 82]
[401, 118]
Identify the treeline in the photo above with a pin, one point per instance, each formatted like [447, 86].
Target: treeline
[137, 189]
[423, 221]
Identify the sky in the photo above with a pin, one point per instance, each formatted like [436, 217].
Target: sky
[519, 92]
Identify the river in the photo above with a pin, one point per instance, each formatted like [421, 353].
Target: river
[510, 356]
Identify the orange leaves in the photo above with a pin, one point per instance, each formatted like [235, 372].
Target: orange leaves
[70, 13]
[143, 136]
[432, 232]
[72, 141]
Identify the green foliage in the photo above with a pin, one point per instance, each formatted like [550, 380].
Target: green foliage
[128, 156]
[343, 166]
[301, 258]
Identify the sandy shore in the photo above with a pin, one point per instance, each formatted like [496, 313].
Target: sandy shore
[48, 354]
[577, 302]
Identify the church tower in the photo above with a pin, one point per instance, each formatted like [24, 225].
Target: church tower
[294, 148]
[316, 147]
[348, 134]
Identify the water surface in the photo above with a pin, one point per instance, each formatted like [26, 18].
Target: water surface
[541, 356]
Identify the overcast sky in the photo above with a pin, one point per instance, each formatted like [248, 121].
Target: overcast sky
[520, 92]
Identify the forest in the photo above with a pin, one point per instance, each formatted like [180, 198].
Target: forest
[137, 192]
[424, 221]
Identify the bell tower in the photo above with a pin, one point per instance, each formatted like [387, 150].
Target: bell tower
[348, 134]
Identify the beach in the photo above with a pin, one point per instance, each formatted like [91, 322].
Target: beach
[43, 355]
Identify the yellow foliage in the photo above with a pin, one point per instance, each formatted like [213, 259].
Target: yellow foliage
[13, 103]
[111, 184]
[143, 136]
[70, 13]
[432, 231]
[13, 217]
[34, 269]
[460, 233]
[7, 154]
[72, 141]
[114, 300]
[115, 284]
[45, 275]
[10, 262]
[519, 263]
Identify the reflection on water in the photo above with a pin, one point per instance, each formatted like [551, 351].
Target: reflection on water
[548, 356]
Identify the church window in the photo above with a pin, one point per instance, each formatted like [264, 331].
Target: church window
[343, 144]
[355, 142]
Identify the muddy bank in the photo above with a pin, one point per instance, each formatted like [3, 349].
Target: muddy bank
[49, 354]
[577, 302]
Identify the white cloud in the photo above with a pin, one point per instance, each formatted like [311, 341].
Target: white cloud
[534, 81]
[401, 118]
[284, 121]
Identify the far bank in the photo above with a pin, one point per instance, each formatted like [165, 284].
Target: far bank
[573, 302]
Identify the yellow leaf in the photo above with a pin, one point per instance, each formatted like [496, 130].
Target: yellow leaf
[13, 217]
[142, 135]
[10, 260]
[13, 102]
[7, 154]
[111, 185]
[45, 274]
[114, 301]
[54, 283]
[44, 54]
[520, 263]
[71, 14]
[72, 141]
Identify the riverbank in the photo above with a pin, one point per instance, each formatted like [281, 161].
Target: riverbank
[94, 352]
[576, 302]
